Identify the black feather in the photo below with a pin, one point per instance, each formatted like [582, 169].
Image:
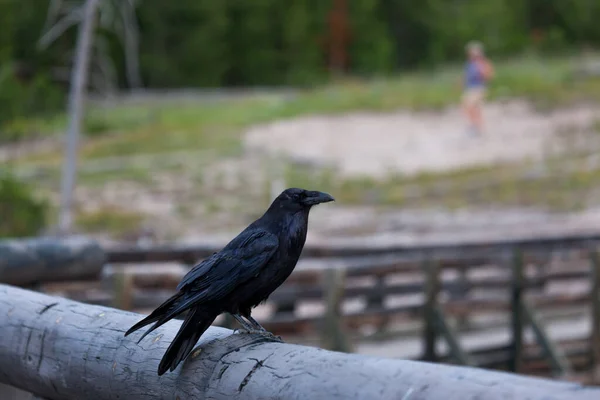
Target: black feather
[240, 276]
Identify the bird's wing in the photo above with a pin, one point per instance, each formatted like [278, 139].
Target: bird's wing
[216, 276]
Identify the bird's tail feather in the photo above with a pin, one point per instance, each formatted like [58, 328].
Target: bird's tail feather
[172, 307]
[195, 324]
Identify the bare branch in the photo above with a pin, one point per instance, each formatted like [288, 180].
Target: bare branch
[73, 18]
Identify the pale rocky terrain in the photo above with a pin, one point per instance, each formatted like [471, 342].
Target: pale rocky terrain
[408, 142]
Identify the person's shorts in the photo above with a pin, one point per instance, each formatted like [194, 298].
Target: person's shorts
[473, 96]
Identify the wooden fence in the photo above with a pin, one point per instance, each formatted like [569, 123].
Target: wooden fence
[542, 293]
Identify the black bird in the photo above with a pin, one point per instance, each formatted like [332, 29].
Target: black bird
[239, 277]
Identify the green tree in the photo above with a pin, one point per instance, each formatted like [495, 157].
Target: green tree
[371, 47]
[184, 43]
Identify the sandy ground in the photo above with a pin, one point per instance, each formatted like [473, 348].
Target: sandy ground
[408, 142]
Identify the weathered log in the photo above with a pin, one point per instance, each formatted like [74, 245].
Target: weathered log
[60, 349]
[28, 261]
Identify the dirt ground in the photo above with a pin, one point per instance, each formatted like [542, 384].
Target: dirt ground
[408, 142]
[404, 143]
[371, 144]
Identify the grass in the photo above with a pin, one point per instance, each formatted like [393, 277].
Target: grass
[558, 189]
[116, 221]
[159, 128]
[139, 175]
[215, 128]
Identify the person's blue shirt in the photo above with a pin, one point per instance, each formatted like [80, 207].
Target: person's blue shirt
[473, 76]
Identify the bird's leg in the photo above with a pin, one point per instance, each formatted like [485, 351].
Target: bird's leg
[259, 327]
[247, 327]
[255, 323]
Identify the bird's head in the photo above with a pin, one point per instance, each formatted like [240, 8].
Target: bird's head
[298, 199]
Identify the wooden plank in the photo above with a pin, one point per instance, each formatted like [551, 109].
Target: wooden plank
[560, 364]
[190, 254]
[306, 283]
[517, 317]
[451, 337]
[149, 299]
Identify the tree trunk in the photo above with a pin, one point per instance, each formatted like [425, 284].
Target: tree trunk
[28, 261]
[61, 349]
[77, 96]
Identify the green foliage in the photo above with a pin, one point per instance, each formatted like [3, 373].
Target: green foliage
[22, 214]
[20, 99]
[113, 220]
[184, 43]
[371, 47]
[206, 43]
[216, 127]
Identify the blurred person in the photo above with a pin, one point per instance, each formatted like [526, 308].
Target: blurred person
[478, 71]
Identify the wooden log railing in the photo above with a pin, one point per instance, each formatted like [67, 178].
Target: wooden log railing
[30, 261]
[460, 293]
[455, 297]
[60, 349]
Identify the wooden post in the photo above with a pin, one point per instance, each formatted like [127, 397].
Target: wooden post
[375, 302]
[123, 290]
[432, 288]
[333, 336]
[460, 291]
[456, 350]
[517, 315]
[595, 298]
[559, 362]
[287, 308]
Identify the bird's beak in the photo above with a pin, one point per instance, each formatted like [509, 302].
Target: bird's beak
[317, 198]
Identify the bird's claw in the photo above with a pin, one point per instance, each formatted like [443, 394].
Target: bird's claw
[268, 334]
[262, 332]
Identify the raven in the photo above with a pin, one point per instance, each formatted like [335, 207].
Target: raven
[239, 277]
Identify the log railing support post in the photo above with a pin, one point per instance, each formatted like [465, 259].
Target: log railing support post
[451, 337]
[123, 290]
[432, 288]
[460, 291]
[559, 363]
[333, 335]
[517, 314]
[595, 298]
[376, 302]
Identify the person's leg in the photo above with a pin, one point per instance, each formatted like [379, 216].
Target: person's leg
[476, 117]
[475, 110]
[478, 109]
[470, 110]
